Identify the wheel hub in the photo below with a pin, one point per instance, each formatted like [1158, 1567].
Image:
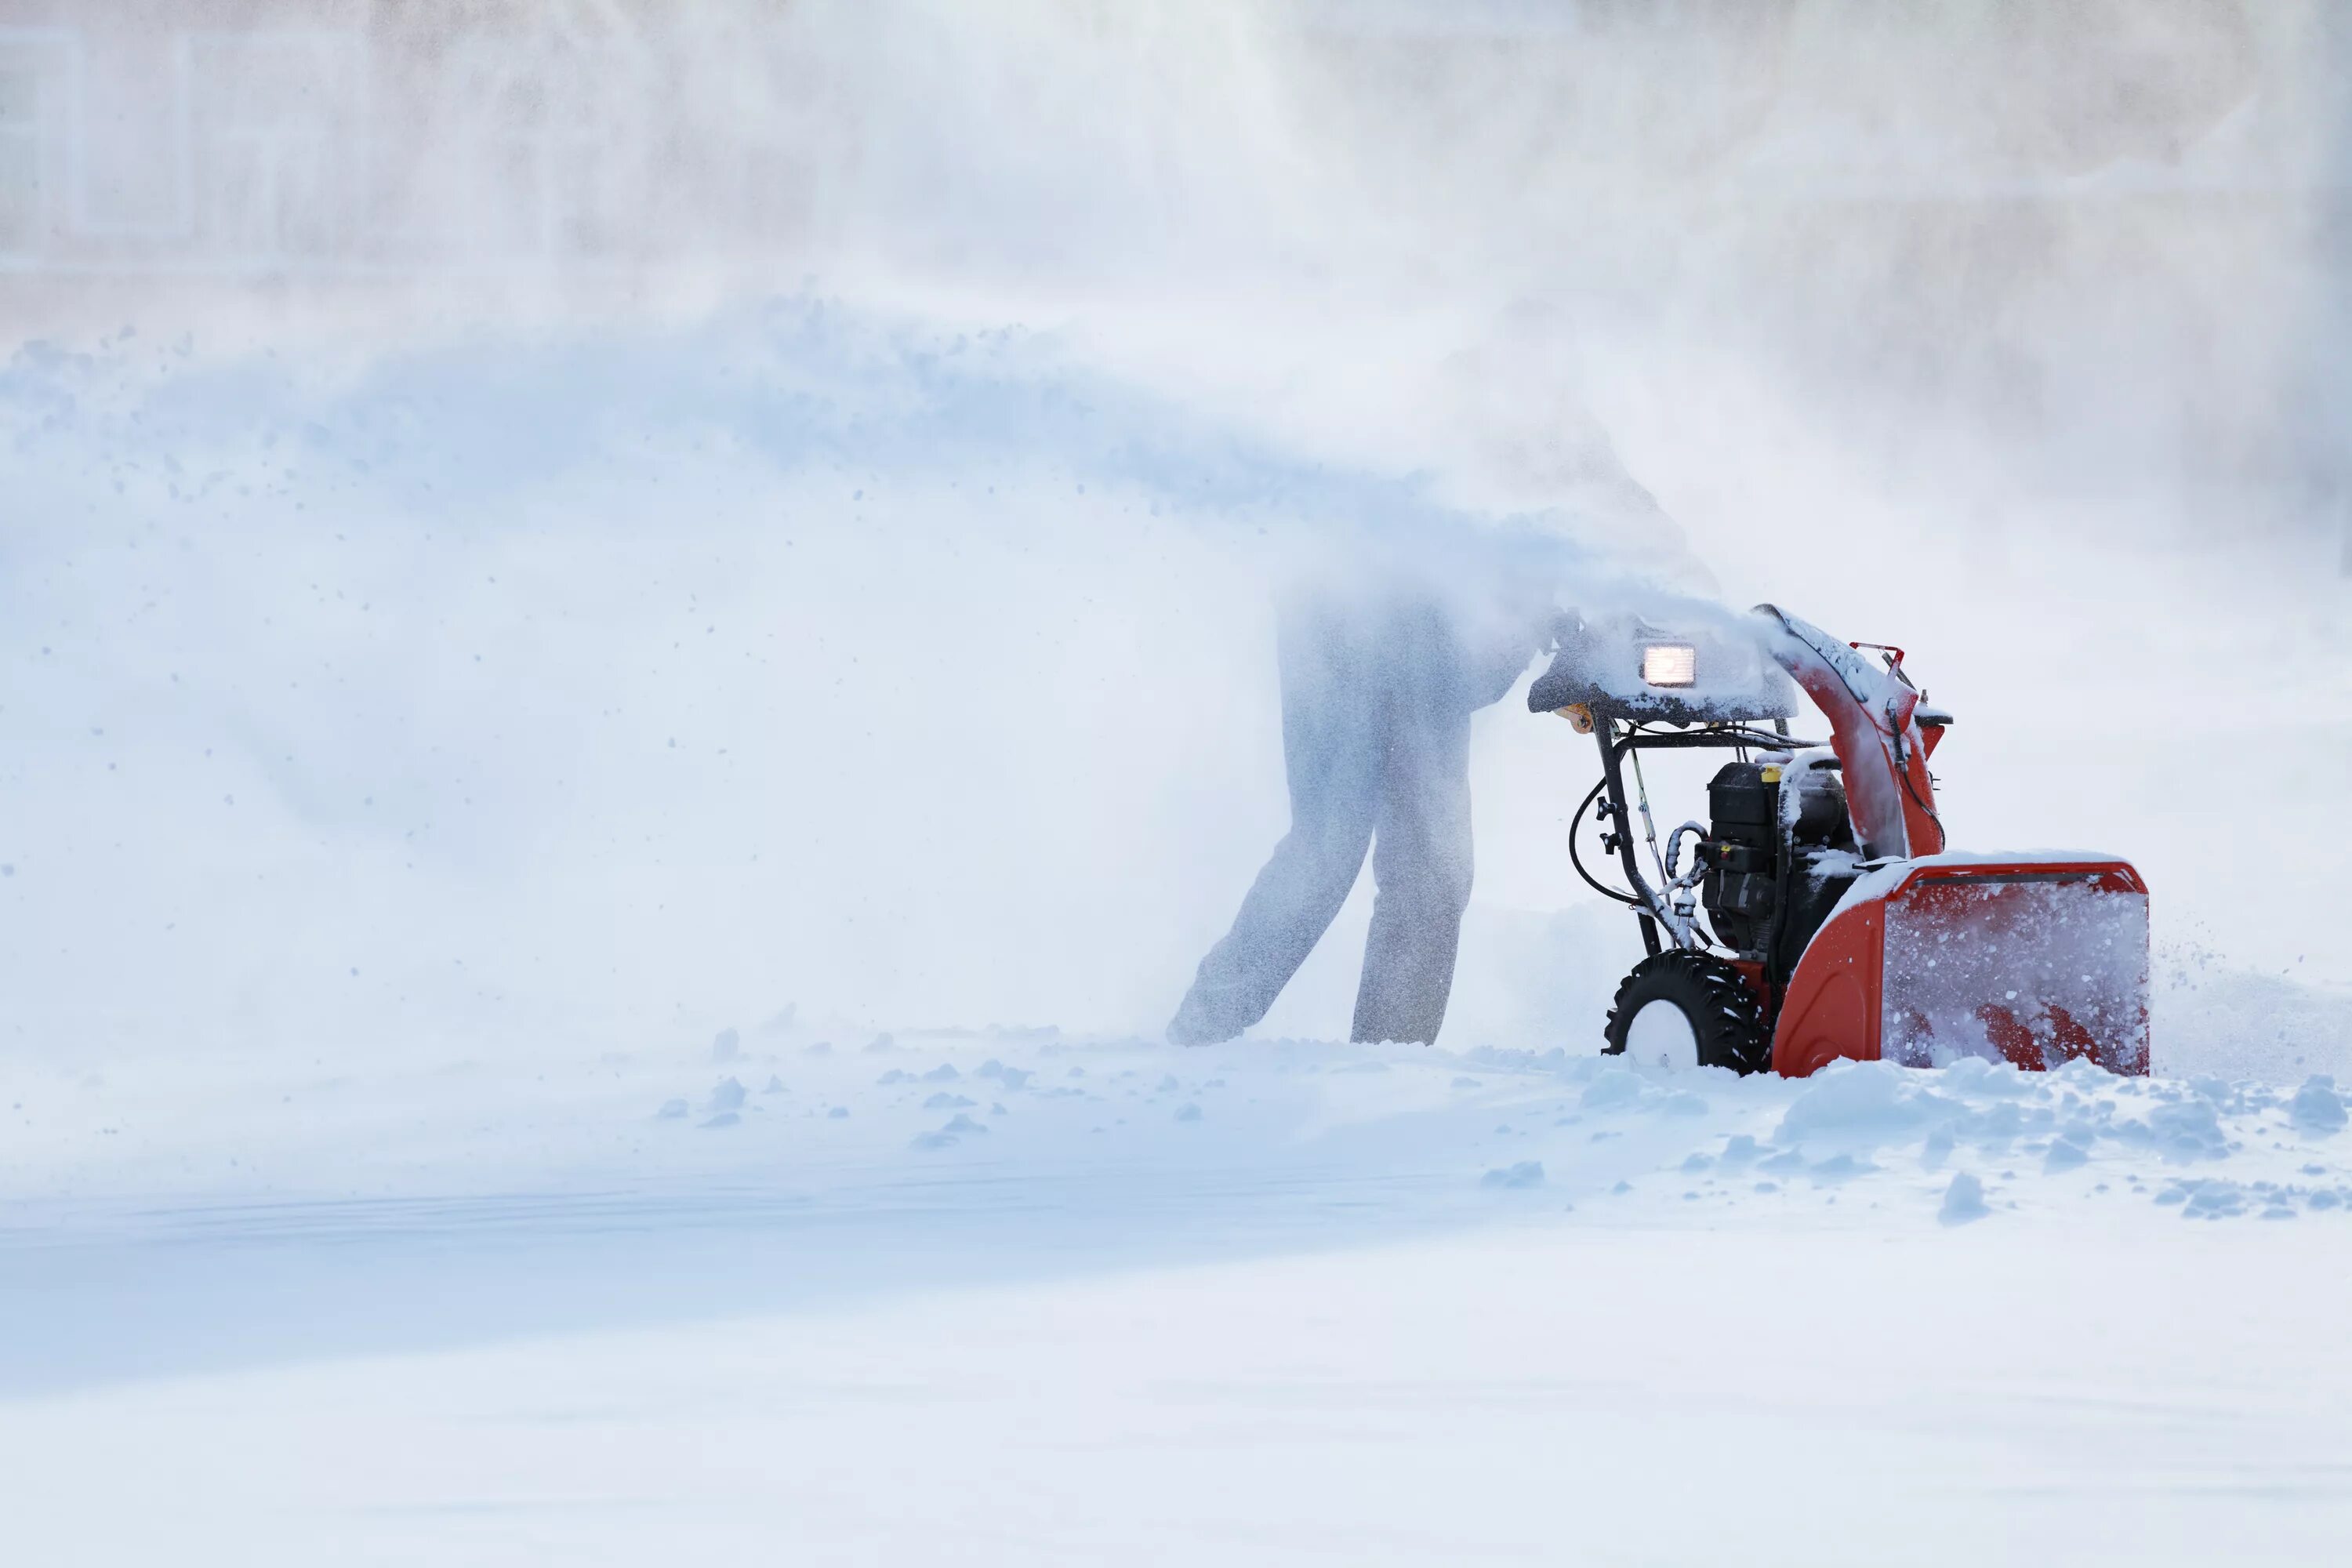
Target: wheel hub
[1660, 1036]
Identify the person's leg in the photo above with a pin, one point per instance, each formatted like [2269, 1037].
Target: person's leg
[1422, 861]
[1331, 743]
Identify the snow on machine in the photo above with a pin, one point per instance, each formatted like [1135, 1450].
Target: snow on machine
[1837, 920]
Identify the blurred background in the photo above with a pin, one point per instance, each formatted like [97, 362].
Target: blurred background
[550, 525]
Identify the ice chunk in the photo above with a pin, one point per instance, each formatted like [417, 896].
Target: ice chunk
[725, 1045]
[1526, 1174]
[1963, 1200]
[2317, 1108]
[1188, 1111]
[943, 1100]
[726, 1095]
[724, 1118]
[671, 1108]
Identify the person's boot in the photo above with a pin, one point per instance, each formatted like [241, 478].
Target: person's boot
[1192, 1025]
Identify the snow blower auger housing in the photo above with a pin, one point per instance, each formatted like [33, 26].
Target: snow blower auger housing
[1837, 921]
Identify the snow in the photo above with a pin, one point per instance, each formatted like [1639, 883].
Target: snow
[455, 743]
[1308, 1301]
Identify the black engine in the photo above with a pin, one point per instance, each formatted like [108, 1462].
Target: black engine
[1780, 853]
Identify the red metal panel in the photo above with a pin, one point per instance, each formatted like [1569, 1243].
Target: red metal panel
[1832, 1005]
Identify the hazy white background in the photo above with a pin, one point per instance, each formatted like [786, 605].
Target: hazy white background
[594, 523]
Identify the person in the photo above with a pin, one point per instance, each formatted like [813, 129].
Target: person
[1379, 680]
[1386, 653]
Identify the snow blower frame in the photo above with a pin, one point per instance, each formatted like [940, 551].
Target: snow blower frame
[1837, 924]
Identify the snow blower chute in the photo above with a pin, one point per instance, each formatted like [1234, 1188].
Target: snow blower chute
[1838, 923]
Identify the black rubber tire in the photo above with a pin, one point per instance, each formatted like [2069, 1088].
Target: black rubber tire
[1724, 1013]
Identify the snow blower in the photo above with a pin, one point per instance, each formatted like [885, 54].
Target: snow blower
[1837, 920]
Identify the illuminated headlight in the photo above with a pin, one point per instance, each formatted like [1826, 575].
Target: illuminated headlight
[1669, 664]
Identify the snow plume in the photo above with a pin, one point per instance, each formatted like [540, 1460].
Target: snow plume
[619, 518]
[795, 659]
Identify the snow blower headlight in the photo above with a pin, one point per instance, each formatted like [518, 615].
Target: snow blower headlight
[1669, 664]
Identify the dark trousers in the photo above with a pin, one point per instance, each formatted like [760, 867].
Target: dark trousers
[1376, 704]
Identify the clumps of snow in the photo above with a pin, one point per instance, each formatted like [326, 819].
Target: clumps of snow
[895, 1075]
[1526, 1174]
[2071, 1149]
[943, 1073]
[1862, 1103]
[2211, 1197]
[959, 1123]
[726, 1046]
[1011, 1078]
[775, 1085]
[1188, 1111]
[821, 1048]
[943, 1100]
[1616, 1086]
[727, 1094]
[881, 1043]
[2187, 1129]
[671, 1109]
[1839, 1168]
[997, 1109]
[934, 1140]
[1963, 1201]
[1466, 1081]
[724, 1118]
[1168, 1084]
[839, 1112]
[2316, 1109]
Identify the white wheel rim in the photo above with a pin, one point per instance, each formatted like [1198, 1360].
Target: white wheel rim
[1661, 1036]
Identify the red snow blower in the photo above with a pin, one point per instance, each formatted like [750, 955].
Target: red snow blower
[1838, 923]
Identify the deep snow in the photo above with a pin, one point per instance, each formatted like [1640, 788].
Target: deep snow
[524, 783]
[1008, 1297]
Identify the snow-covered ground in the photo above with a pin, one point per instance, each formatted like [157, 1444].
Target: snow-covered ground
[497, 770]
[1006, 1297]
[424, 785]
